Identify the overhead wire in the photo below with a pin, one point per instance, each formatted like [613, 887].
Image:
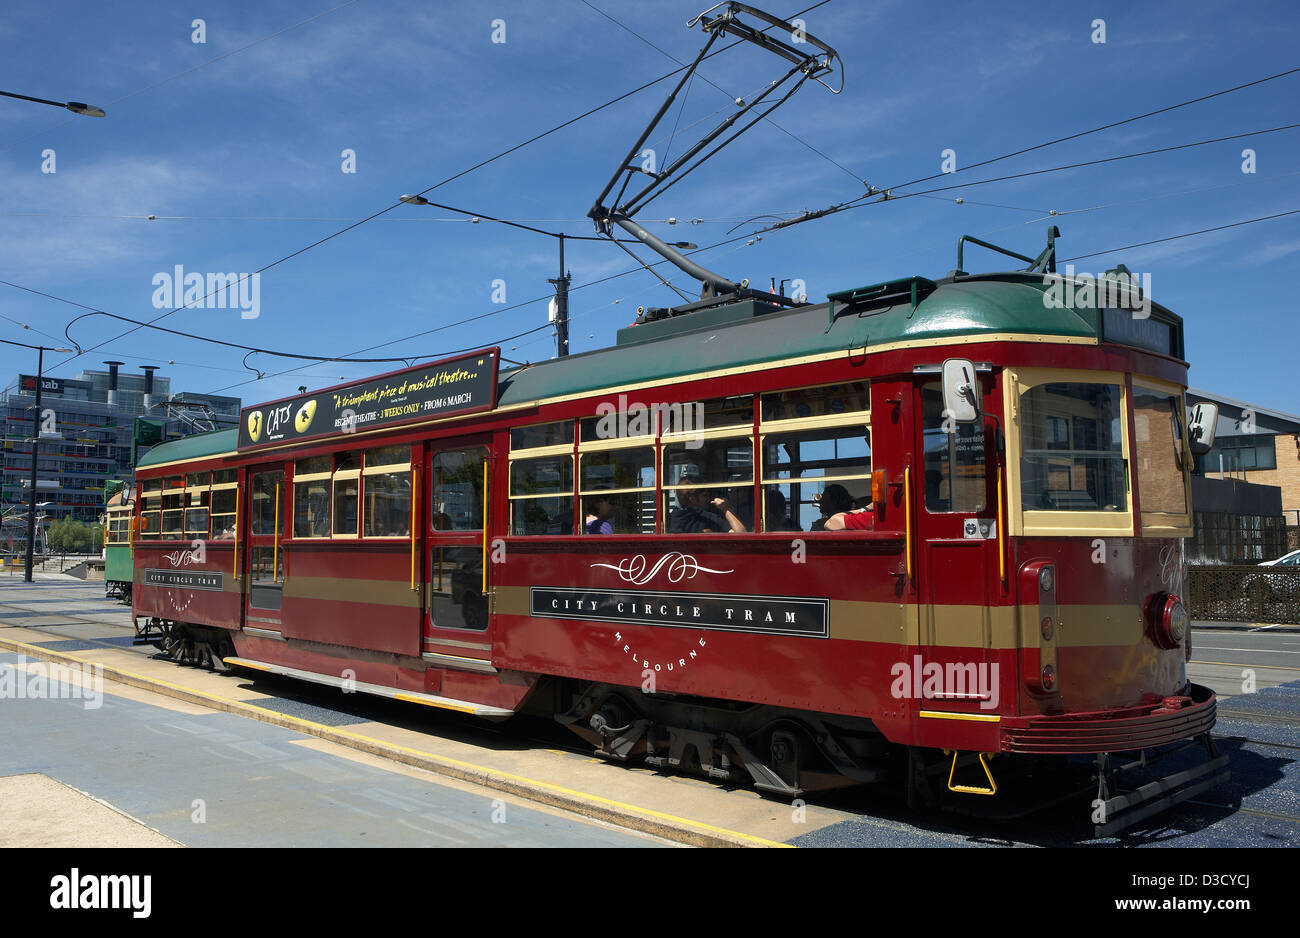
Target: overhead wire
[883, 196]
[431, 188]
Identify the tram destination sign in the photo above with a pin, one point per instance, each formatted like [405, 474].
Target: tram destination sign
[461, 385]
[723, 612]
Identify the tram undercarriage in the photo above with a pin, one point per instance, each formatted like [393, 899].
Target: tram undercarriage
[786, 753]
[781, 752]
[187, 644]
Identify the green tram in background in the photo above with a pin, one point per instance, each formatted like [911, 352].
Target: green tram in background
[119, 504]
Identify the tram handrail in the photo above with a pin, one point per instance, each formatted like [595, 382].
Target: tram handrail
[415, 501]
[275, 541]
[485, 526]
[1002, 552]
[907, 517]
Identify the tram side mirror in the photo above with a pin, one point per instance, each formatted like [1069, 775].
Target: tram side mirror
[1200, 429]
[960, 391]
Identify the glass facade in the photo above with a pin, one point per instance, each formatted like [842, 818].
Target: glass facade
[89, 443]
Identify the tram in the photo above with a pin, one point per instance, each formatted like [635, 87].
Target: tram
[118, 518]
[638, 540]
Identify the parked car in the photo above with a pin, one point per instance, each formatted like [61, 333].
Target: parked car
[1286, 560]
[1266, 588]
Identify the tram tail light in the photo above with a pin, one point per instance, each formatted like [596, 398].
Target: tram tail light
[1040, 615]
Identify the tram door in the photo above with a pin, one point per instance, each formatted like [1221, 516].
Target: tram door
[458, 568]
[956, 541]
[265, 510]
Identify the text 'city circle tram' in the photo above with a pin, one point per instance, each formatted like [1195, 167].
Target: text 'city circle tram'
[928, 531]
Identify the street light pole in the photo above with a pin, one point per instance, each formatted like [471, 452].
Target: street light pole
[561, 306]
[36, 435]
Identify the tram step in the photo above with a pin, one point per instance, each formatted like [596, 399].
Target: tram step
[428, 700]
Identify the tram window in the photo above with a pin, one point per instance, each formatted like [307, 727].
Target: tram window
[456, 599]
[197, 493]
[783, 509]
[541, 495]
[827, 401]
[311, 506]
[1088, 473]
[717, 461]
[695, 478]
[173, 506]
[387, 492]
[542, 434]
[266, 574]
[388, 504]
[831, 453]
[954, 467]
[722, 412]
[151, 516]
[346, 498]
[225, 476]
[624, 479]
[196, 519]
[315, 465]
[223, 511]
[264, 489]
[1158, 451]
[456, 489]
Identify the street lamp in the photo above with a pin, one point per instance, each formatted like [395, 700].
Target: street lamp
[76, 107]
[36, 436]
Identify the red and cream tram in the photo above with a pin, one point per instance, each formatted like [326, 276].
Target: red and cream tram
[1011, 588]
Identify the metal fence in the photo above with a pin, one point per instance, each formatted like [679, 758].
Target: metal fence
[1244, 594]
[1227, 538]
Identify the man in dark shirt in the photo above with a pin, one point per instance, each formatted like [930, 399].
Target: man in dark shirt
[698, 514]
[834, 499]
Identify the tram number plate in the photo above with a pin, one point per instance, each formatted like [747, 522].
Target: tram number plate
[772, 615]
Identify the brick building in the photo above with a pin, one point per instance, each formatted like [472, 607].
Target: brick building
[1255, 448]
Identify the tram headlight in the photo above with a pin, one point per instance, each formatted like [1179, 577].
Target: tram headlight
[1177, 620]
[1171, 622]
[1046, 579]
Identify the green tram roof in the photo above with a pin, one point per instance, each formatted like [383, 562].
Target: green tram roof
[990, 304]
[197, 446]
[729, 336]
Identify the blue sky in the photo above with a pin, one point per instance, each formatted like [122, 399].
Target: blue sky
[241, 160]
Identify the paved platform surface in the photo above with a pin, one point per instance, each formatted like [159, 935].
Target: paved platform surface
[71, 620]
